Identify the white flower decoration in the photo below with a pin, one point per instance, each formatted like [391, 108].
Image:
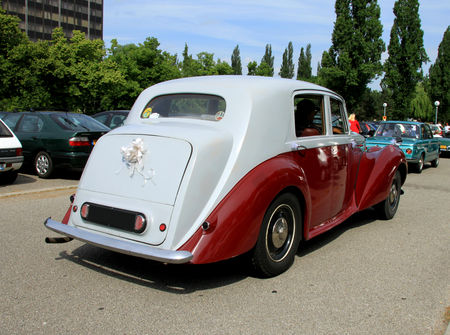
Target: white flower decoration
[132, 156]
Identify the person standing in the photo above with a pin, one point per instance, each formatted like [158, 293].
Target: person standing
[354, 124]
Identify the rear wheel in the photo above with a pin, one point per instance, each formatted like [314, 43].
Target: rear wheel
[419, 164]
[43, 164]
[279, 237]
[388, 207]
[435, 163]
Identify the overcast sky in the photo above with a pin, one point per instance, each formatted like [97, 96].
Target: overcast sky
[217, 26]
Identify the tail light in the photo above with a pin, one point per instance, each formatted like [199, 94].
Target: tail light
[19, 152]
[79, 142]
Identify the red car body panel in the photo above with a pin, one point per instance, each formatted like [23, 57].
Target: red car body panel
[329, 195]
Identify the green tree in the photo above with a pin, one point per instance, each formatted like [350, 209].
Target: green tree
[236, 61]
[439, 75]
[12, 42]
[287, 65]
[223, 68]
[304, 70]
[421, 106]
[354, 58]
[268, 59]
[406, 56]
[251, 68]
[144, 65]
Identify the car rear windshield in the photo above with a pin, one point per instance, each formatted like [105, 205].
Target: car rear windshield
[191, 106]
[4, 132]
[398, 130]
[78, 122]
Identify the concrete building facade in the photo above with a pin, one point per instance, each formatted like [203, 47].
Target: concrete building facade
[40, 17]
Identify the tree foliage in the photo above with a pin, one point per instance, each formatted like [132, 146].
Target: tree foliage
[406, 56]
[440, 77]
[236, 61]
[421, 106]
[287, 65]
[354, 58]
[304, 70]
[266, 66]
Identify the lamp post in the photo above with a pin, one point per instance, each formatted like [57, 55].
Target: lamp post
[384, 111]
[436, 103]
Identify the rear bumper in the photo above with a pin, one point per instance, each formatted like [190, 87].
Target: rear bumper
[124, 247]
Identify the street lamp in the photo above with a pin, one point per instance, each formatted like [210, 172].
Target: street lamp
[436, 103]
[384, 111]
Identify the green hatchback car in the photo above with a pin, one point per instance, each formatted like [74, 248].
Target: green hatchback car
[55, 139]
[415, 139]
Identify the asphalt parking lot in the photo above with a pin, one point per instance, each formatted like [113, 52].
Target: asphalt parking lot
[366, 276]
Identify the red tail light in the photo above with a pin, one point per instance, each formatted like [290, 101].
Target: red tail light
[19, 152]
[79, 142]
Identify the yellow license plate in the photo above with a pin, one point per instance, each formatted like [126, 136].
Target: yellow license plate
[444, 147]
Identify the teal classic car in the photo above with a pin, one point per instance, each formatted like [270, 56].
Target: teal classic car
[415, 139]
[444, 144]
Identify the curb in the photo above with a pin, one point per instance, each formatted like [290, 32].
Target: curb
[42, 190]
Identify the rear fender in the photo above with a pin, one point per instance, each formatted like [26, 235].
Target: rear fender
[234, 225]
[376, 172]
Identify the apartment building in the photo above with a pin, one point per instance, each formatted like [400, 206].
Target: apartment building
[40, 17]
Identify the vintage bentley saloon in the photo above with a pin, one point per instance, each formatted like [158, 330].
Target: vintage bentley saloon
[209, 168]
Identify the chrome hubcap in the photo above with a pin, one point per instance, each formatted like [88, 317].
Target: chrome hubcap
[393, 194]
[42, 164]
[280, 232]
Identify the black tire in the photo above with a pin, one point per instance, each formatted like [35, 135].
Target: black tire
[43, 164]
[8, 177]
[435, 163]
[419, 164]
[388, 207]
[279, 237]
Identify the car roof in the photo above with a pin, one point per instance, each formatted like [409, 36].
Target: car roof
[404, 122]
[232, 83]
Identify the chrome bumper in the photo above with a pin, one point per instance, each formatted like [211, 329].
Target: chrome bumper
[124, 247]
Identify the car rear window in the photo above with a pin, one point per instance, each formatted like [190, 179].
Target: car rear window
[78, 122]
[4, 132]
[191, 106]
[398, 130]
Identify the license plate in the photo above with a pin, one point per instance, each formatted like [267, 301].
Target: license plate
[2, 166]
[443, 147]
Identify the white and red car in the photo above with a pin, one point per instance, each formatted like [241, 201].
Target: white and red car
[209, 168]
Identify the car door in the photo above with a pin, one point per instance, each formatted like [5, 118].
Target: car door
[431, 144]
[28, 130]
[323, 157]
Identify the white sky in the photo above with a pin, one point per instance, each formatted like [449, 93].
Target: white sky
[217, 26]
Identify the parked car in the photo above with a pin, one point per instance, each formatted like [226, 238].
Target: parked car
[209, 168]
[436, 130]
[444, 144]
[11, 157]
[55, 139]
[415, 139]
[112, 119]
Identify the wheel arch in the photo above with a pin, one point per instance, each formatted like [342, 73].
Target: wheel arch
[234, 224]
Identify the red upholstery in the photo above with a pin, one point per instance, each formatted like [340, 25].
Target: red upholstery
[309, 132]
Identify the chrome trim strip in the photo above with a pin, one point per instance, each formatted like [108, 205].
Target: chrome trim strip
[124, 247]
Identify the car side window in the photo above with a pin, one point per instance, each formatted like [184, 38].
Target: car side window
[428, 131]
[309, 115]
[11, 119]
[31, 124]
[338, 120]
